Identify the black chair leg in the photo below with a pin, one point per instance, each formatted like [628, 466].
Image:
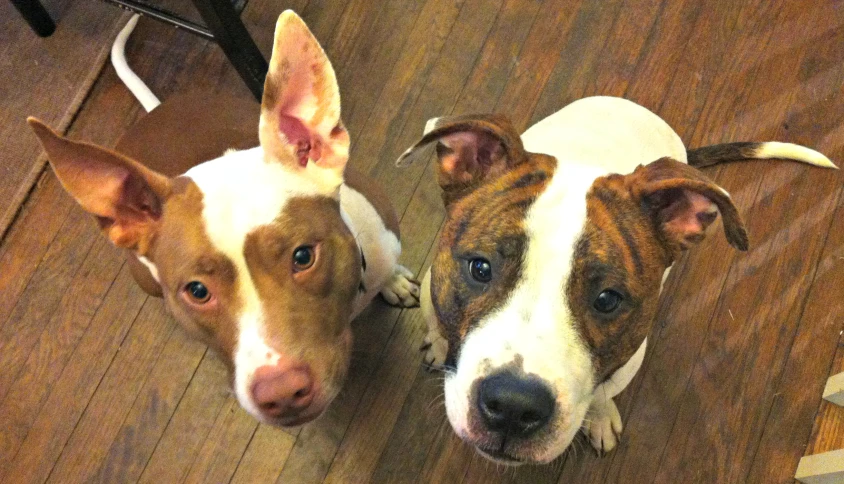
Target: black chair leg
[229, 32]
[36, 16]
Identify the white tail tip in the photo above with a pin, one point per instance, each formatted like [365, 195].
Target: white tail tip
[790, 151]
[118, 59]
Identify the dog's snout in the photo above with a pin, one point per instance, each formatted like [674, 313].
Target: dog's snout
[280, 391]
[514, 405]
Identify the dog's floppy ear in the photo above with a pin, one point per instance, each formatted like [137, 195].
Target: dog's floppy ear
[125, 197]
[469, 148]
[683, 202]
[300, 110]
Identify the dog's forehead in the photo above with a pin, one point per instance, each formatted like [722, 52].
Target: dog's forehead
[241, 191]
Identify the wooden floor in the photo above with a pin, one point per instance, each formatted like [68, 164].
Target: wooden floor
[98, 384]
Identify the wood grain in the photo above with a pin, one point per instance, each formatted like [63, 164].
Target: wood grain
[48, 78]
[98, 384]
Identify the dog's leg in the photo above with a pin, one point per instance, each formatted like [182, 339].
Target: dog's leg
[603, 423]
[435, 346]
[402, 289]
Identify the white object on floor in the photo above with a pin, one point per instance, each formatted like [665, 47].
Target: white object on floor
[825, 468]
[834, 390]
[134, 83]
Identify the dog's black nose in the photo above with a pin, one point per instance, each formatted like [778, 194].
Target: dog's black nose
[514, 405]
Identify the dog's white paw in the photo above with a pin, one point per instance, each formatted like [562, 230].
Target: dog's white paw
[402, 289]
[435, 348]
[604, 424]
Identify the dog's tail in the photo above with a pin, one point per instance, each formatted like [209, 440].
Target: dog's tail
[118, 59]
[711, 155]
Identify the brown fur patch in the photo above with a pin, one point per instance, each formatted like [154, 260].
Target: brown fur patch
[486, 222]
[307, 312]
[183, 253]
[665, 185]
[637, 225]
[618, 250]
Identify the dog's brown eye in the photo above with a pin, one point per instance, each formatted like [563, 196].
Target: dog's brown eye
[198, 292]
[608, 301]
[303, 258]
[480, 269]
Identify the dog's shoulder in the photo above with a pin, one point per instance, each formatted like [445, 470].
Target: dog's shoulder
[375, 195]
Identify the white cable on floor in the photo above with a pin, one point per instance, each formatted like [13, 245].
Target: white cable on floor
[127, 75]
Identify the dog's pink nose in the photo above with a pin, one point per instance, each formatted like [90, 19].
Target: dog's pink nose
[281, 391]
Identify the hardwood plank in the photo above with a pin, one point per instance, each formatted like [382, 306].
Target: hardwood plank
[828, 429]
[42, 296]
[22, 250]
[32, 458]
[810, 359]
[50, 79]
[739, 400]
[537, 60]
[264, 457]
[128, 452]
[448, 461]
[190, 426]
[106, 410]
[406, 81]
[730, 399]
[445, 83]
[31, 387]
[590, 29]
[667, 44]
[365, 70]
[420, 422]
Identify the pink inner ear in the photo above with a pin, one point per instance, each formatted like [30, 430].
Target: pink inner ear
[298, 135]
[693, 218]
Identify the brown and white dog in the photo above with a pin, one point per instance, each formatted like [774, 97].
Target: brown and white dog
[267, 253]
[546, 278]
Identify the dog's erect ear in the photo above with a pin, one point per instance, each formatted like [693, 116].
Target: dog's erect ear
[683, 202]
[300, 111]
[469, 148]
[124, 196]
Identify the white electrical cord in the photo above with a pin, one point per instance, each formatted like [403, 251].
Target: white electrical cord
[125, 73]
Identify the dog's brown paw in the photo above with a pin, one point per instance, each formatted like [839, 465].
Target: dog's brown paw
[402, 289]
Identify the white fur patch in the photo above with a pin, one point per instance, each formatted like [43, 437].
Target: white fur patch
[430, 125]
[790, 151]
[535, 323]
[242, 192]
[252, 353]
[153, 270]
[381, 247]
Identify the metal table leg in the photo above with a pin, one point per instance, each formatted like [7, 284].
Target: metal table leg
[36, 16]
[230, 33]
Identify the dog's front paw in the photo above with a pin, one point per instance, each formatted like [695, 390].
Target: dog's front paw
[435, 348]
[603, 424]
[402, 289]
